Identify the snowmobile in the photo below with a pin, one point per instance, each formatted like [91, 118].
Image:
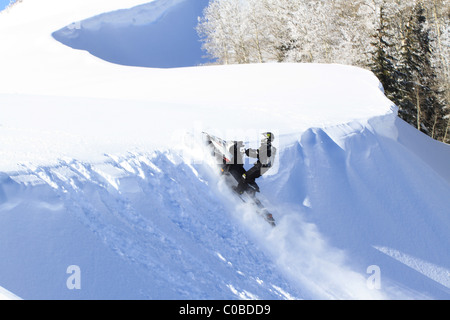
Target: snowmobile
[229, 157]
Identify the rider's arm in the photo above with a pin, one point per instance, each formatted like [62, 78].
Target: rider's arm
[252, 153]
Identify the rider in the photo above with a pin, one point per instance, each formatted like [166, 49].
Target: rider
[266, 157]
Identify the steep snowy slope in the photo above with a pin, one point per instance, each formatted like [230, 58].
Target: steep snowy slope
[101, 168]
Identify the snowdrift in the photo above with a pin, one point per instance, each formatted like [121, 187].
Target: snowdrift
[160, 226]
[159, 34]
[102, 168]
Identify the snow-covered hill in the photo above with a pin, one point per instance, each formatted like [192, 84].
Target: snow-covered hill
[101, 168]
[157, 34]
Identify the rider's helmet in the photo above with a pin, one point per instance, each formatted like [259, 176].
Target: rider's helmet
[267, 137]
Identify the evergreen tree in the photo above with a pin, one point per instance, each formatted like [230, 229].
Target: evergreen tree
[383, 63]
[419, 103]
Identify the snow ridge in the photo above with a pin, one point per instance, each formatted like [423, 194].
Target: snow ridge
[159, 34]
[6, 295]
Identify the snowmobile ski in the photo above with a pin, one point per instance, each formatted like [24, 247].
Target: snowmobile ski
[260, 209]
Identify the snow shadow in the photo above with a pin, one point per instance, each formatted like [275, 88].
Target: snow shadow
[159, 34]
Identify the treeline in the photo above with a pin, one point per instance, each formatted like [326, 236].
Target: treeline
[405, 43]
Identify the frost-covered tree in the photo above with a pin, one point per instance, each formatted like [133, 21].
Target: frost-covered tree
[384, 35]
[281, 20]
[439, 15]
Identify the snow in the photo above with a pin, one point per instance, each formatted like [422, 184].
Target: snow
[6, 295]
[101, 167]
[157, 34]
